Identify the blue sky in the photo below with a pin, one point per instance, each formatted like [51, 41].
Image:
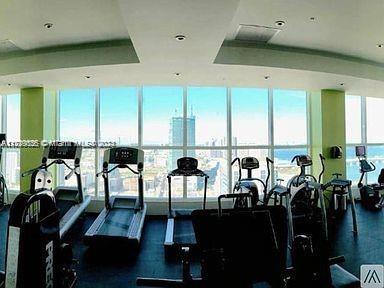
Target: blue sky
[119, 113]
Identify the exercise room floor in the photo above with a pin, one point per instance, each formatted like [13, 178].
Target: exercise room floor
[366, 248]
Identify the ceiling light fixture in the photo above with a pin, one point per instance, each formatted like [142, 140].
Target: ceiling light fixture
[266, 77]
[87, 77]
[380, 45]
[180, 37]
[9, 84]
[177, 74]
[48, 25]
[312, 18]
[342, 84]
[280, 23]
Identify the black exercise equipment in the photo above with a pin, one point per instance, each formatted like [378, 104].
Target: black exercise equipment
[241, 247]
[3, 185]
[249, 184]
[308, 232]
[233, 253]
[70, 201]
[369, 193]
[122, 220]
[341, 189]
[179, 231]
[34, 255]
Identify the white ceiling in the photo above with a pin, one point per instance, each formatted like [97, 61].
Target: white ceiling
[75, 21]
[349, 27]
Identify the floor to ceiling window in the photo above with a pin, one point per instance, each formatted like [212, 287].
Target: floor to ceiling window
[12, 129]
[364, 118]
[212, 124]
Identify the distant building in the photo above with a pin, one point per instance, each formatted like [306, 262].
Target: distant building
[176, 135]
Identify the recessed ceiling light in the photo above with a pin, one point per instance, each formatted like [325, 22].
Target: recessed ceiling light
[87, 77]
[9, 84]
[312, 18]
[48, 25]
[342, 84]
[177, 74]
[280, 23]
[267, 77]
[380, 45]
[180, 37]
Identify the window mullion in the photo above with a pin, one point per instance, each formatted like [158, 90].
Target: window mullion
[271, 133]
[229, 138]
[97, 138]
[185, 137]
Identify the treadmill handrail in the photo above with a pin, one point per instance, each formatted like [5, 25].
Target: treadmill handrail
[120, 166]
[105, 172]
[186, 173]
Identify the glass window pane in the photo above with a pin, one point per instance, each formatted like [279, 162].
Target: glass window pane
[375, 118]
[77, 115]
[12, 155]
[375, 154]
[290, 117]
[260, 173]
[284, 169]
[353, 165]
[207, 113]
[353, 119]
[249, 116]
[162, 116]
[13, 117]
[157, 164]
[12, 164]
[214, 163]
[88, 173]
[119, 115]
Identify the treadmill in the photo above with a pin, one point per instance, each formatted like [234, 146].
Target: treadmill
[70, 201]
[121, 221]
[180, 232]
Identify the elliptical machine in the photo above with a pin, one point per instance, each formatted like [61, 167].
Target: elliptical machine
[369, 193]
[308, 232]
[34, 255]
[249, 184]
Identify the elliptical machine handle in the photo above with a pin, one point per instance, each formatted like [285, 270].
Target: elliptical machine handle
[322, 158]
[234, 161]
[237, 159]
[69, 175]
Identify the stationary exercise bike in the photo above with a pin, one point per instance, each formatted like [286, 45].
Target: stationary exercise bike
[369, 193]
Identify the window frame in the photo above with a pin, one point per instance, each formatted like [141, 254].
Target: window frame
[364, 129]
[4, 118]
[228, 148]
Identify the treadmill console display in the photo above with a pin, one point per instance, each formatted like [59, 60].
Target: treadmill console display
[63, 152]
[187, 164]
[360, 151]
[124, 155]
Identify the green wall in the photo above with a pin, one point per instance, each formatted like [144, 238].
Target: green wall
[327, 109]
[37, 120]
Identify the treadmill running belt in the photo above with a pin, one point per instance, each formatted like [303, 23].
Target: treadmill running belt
[64, 206]
[117, 222]
[184, 233]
